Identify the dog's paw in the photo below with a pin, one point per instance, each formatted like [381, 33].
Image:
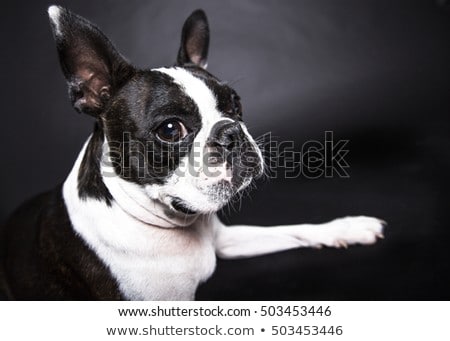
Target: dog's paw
[353, 230]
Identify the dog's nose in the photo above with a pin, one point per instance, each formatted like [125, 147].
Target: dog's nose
[228, 144]
[227, 134]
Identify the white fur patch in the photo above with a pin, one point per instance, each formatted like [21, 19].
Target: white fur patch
[247, 241]
[148, 262]
[54, 12]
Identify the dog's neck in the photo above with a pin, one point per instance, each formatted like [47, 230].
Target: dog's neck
[143, 247]
[92, 179]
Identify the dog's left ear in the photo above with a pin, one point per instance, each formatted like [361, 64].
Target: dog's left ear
[194, 40]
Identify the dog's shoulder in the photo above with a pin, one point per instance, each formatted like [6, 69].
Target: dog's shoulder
[44, 258]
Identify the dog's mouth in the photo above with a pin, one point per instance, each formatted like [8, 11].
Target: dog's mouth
[180, 206]
[217, 196]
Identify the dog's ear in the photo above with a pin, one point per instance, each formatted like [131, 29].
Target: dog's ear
[93, 68]
[194, 40]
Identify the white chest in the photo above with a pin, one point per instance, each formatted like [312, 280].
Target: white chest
[149, 263]
[170, 268]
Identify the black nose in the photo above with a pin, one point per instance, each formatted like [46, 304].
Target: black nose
[227, 134]
[228, 143]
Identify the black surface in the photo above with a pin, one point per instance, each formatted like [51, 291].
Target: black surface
[376, 73]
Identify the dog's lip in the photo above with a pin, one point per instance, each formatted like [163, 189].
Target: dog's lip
[179, 206]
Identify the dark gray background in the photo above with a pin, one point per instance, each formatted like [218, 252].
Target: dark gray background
[375, 72]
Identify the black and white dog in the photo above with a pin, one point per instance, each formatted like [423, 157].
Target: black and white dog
[135, 218]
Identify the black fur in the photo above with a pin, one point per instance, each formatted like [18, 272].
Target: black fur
[45, 258]
[90, 183]
[131, 121]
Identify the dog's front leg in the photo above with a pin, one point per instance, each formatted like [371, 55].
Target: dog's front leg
[242, 241]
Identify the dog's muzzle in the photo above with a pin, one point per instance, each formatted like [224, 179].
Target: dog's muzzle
[228, 144]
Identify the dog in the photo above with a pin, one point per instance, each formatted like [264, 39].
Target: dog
[136, 217]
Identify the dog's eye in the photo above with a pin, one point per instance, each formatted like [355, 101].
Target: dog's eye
[171, 131]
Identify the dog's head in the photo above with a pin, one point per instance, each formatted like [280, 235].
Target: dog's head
[175, 133]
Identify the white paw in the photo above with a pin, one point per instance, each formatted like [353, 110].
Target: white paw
[353, 230]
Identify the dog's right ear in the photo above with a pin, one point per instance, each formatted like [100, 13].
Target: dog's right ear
[92, 66]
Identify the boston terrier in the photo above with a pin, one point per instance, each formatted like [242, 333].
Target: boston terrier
[136, 217]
